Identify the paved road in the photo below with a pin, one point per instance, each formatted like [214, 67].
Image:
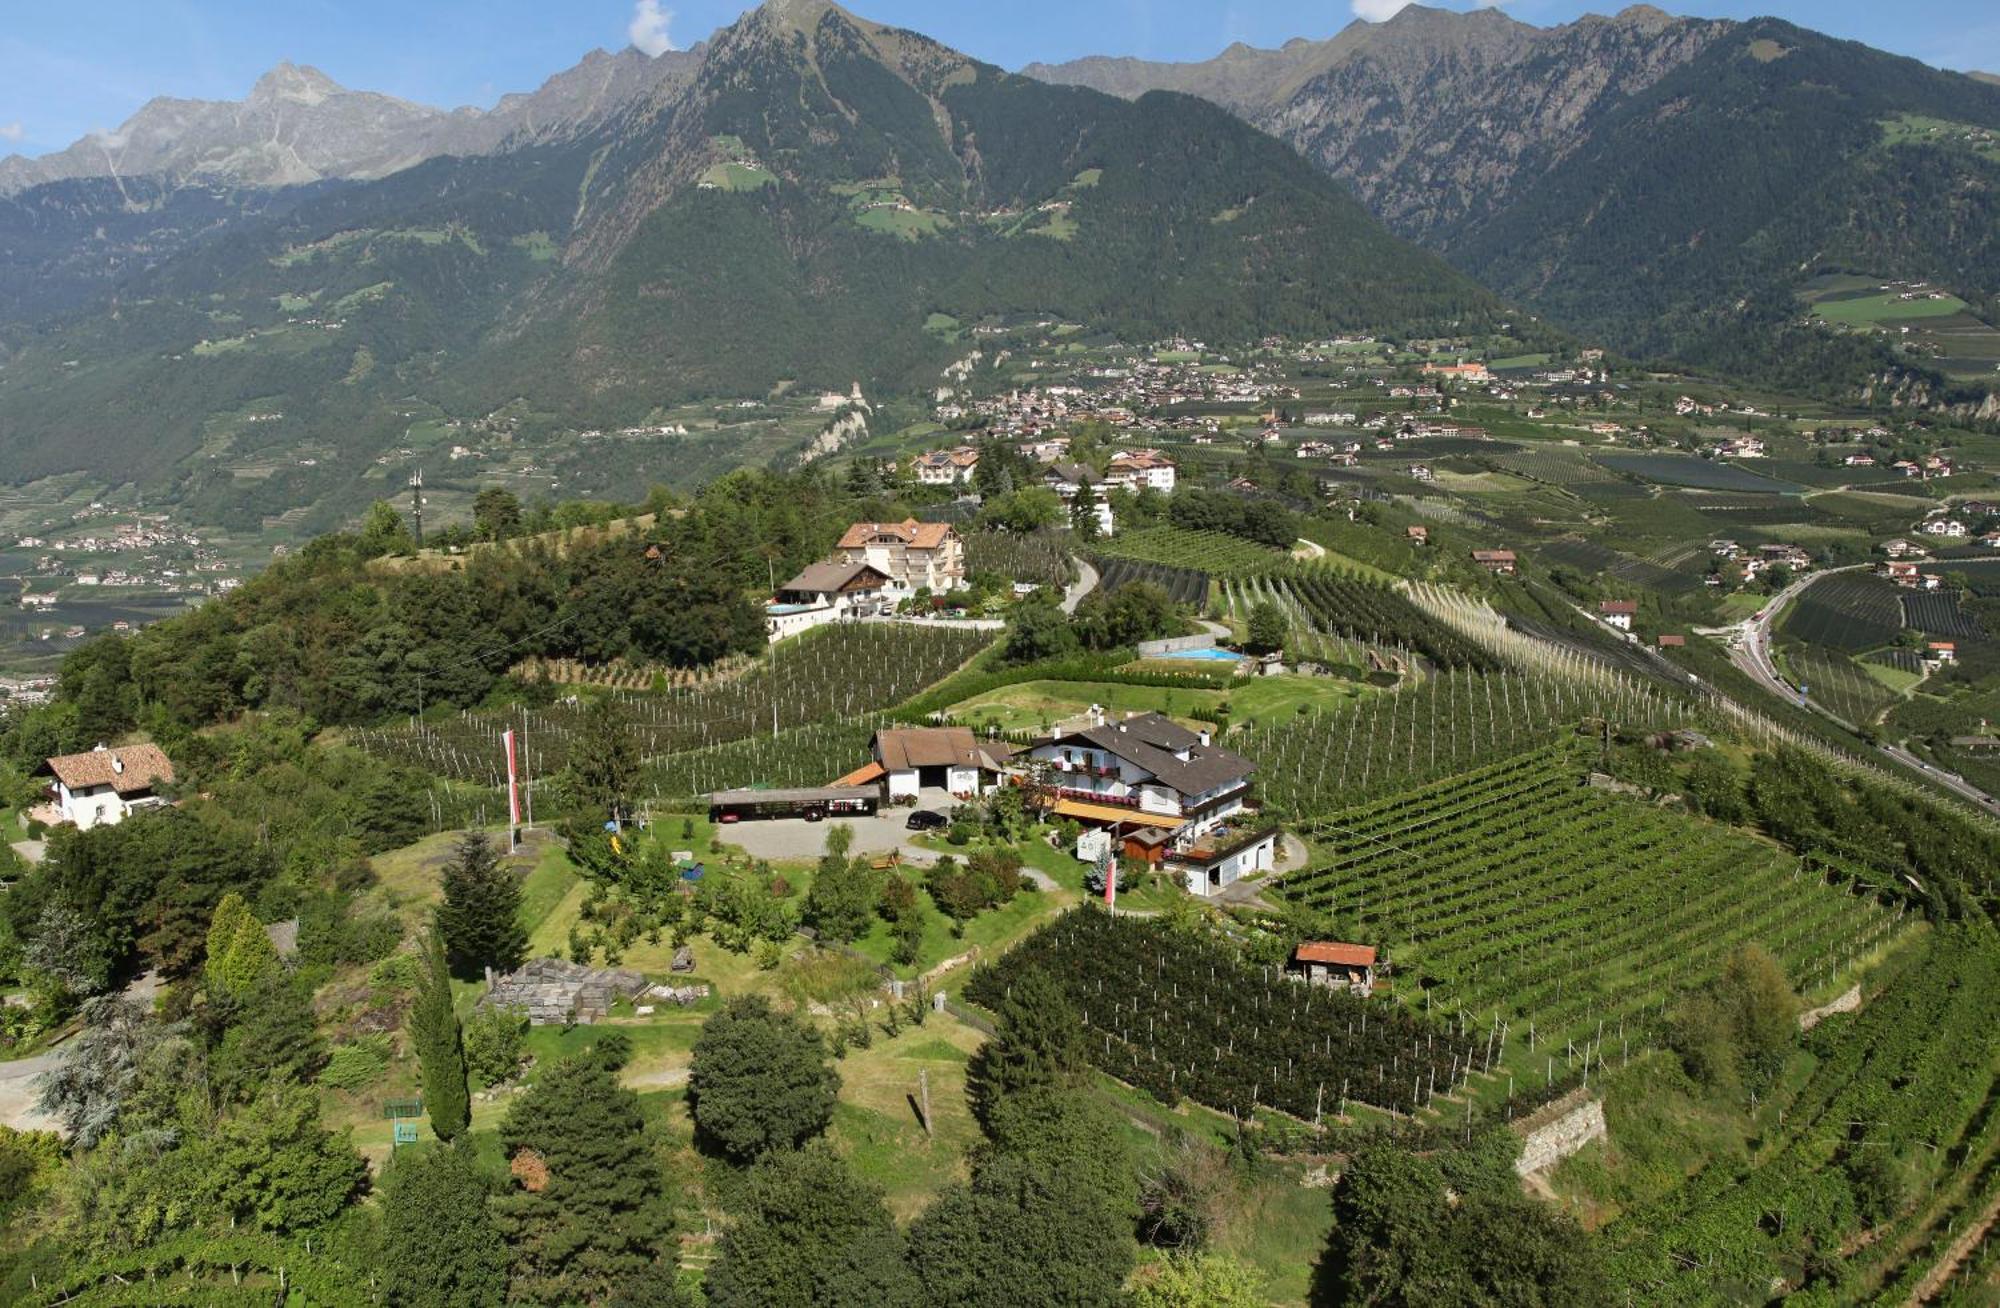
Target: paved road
[1752, 654]
[1086, 582]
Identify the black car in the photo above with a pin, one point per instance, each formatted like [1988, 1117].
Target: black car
[925, 820]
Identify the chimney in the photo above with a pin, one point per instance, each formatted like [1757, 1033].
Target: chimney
[117, 764]
[1202, 736]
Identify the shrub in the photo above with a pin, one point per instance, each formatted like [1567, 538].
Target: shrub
[355, 1066]
[494, 1039]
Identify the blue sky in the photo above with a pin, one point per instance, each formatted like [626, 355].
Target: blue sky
[67, 69]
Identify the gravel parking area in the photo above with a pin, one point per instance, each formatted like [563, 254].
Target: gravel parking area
[796, 840]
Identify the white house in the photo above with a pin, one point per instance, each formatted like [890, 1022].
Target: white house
[911, 759]
[912, 555]
[1944, 527]
[947, 467]
[1136, 468]
[101, 787]
[826, 592]
[1148, 765]
[1618, 613]
[1067, 481]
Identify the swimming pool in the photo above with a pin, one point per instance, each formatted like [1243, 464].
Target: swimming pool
[1209, 655]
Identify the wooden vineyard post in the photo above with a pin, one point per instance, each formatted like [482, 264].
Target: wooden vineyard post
[924, 1098]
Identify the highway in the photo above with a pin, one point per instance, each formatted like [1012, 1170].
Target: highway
[1751, 652]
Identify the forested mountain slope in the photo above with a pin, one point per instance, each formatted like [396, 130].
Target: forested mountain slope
[1665, 183]
[795, 211]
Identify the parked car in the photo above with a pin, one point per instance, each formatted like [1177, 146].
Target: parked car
[926, 820]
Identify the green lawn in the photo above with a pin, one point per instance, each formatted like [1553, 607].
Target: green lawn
[1038, 705]
[1873, 309]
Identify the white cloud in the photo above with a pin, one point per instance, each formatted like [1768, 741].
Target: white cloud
[1378, 11]
[12, 131]
[649, 26]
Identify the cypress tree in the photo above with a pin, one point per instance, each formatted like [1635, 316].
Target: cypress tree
[480, 916]
[1038, 1043]
[440, 1044]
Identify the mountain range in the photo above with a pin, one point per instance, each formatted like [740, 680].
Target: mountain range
[798, 204]
[801, 200]
[1663, 183]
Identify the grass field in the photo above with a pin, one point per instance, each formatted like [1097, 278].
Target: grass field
[1038, 705]
[1887, 307]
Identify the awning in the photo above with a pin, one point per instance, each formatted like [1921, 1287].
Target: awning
[862, 775]
[1110, 813]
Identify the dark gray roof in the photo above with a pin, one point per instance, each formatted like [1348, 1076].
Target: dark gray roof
[828, 577]
[806, 795]
[1154, 742]
[1075, 473]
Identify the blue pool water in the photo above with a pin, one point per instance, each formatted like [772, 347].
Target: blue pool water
[1210, 655]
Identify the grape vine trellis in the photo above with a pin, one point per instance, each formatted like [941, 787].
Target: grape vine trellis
[1566, 915]
[840, 674]
[1189, 1016]
[1452, 722]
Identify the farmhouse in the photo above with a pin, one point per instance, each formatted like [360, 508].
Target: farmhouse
[826, 592]
[1418, 534]
[1941, 651]
[1903, 574]
[1618, 613]
[947, 467]
[101, 787]
[1673, 642]
[1903, 549]
[1147, 771]
[1499, 562]
[912, 555]
[909, 759]
[1334, 965]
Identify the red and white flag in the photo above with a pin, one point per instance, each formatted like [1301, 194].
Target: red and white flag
[513, 782]
[1110, 878]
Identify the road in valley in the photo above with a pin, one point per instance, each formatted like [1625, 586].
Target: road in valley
[1751, 652]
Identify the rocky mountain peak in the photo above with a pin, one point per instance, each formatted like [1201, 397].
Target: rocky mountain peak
[291, 83]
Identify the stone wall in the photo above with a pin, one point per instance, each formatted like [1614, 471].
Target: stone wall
[1559, 1131]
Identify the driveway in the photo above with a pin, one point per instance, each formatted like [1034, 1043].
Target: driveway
[796, 840]
[19, 1091]
[1086, 582]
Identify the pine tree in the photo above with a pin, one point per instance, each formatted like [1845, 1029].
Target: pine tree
[269, 1036]
[809, 1232]
[1037, 1043]
[760, 1080]
[443, 1249]
[480, 918]
[591, 1214]
[440, 1045]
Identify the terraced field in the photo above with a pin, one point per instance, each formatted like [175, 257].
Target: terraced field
[1517, 895]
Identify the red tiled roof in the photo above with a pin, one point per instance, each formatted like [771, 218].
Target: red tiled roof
[1339, 955]
[127, 769]
[914, 535]
[1620, 606]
